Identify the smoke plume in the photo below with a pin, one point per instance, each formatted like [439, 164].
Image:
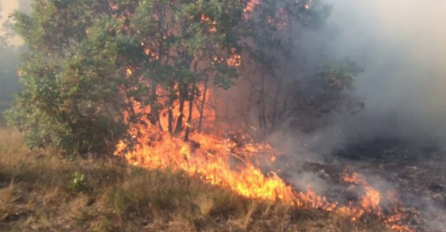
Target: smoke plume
[400, 44]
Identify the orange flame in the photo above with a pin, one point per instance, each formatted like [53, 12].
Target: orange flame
[372, 199]
[235, 59]
[370, 203]
[211, 161]
[129, 71]
[207, 20]
[218, 160]
[223, 162]
[250, 7]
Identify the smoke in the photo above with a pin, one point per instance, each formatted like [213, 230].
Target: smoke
[400, 44]
[7, 7]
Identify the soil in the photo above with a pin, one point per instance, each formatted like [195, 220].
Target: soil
[416, 172]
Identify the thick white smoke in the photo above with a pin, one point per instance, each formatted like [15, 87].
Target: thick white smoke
[402, 46]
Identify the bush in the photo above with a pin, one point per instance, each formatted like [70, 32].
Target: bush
[94, 69]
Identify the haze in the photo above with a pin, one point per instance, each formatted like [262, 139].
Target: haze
[7, 7]
[400, 43]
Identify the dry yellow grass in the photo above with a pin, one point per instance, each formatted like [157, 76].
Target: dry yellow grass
[40, 191]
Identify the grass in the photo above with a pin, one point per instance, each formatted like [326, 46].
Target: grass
[40, 191]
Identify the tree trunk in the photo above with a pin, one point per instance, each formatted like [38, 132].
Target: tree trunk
[179, 124]
[170, 110]
[189, 119]
[200, 123]
[154, 111]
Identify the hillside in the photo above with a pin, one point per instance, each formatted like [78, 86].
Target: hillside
[39, 191]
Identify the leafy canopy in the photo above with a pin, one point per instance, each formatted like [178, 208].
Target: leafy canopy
[92, 65]
[89, 61]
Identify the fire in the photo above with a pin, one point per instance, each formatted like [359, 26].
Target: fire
[207, 20]
[221, 161]
[250, 7]
[235, 59]
[211, 161]
[371, 203]
[218, 160]
[372, 198]
[129, 71]
[307, 6]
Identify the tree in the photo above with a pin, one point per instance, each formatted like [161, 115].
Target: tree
[9, 59]
[97, 69]
[93, 66]
[292, 77]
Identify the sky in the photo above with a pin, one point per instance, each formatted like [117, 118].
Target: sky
[8, 7]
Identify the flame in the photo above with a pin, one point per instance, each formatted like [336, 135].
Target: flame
[129, 71]
[114, 6]
[218, 160]
[307, 6]
[279, 21]
[207, 20]
[372, 198]
[250, 7]
[221, 161]
[235, 59]
[211, 161]
[371, 203]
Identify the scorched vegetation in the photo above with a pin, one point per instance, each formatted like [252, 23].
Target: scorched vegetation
[42, 191]
[144, 81]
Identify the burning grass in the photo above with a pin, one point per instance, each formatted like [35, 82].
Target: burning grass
[41, 192]
[210, 157]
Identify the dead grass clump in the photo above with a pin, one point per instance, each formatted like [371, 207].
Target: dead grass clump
[40, 191]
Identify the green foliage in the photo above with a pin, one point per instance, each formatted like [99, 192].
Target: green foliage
[293, 77]
[92, 65]
[78, 184]
[76, 83]
[332, 87]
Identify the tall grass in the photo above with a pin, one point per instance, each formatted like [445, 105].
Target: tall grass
[41, 191]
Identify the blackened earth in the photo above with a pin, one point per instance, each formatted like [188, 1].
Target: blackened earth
[416, 172]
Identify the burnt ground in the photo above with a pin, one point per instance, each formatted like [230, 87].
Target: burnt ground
[416, 172]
